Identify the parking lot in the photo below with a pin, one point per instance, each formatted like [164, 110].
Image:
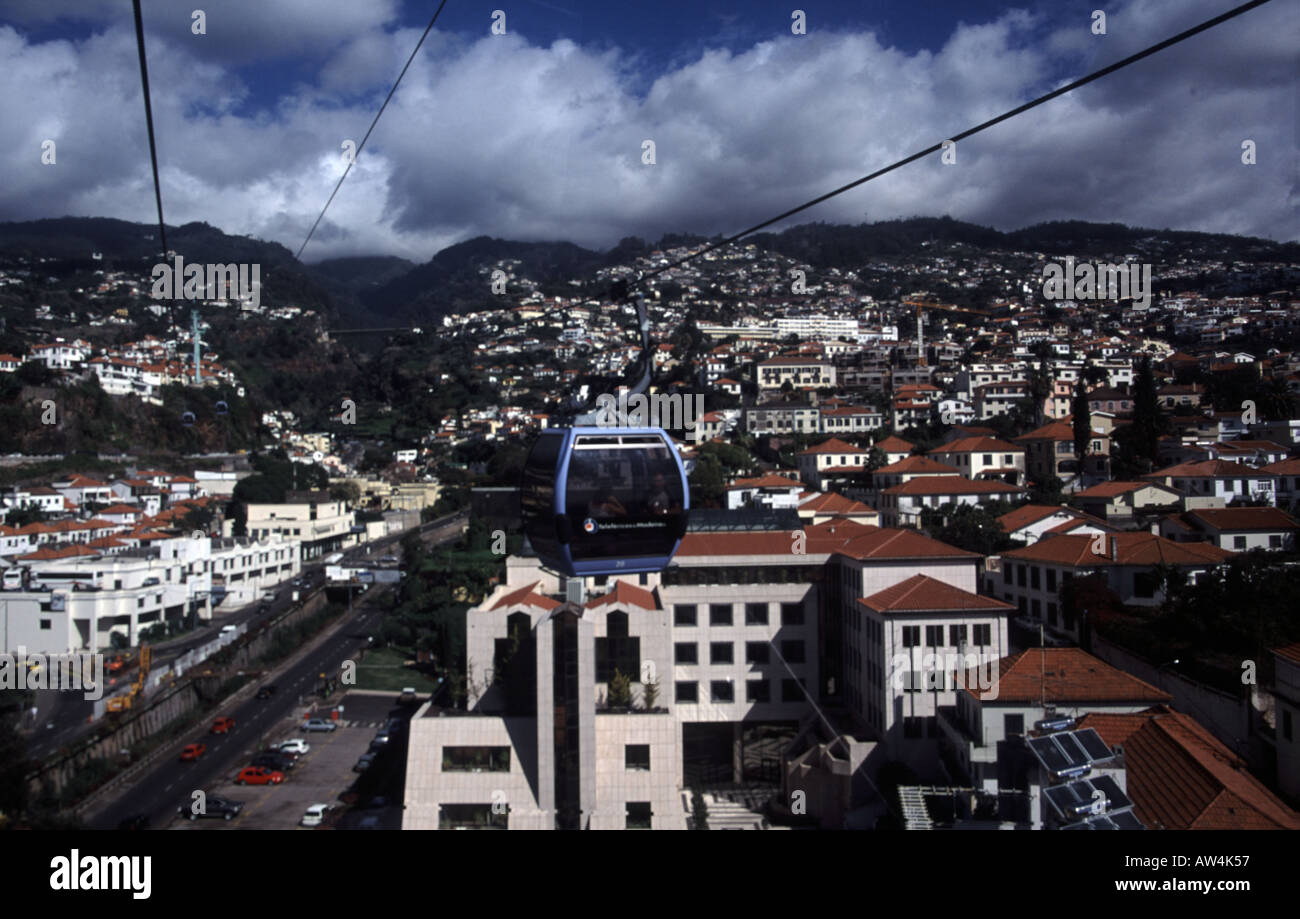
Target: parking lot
[325, 775]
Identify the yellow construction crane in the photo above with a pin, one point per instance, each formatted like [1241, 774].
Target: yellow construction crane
[933, 305]
[122, 703]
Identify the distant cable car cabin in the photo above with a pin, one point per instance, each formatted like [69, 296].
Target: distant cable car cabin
[604, 501]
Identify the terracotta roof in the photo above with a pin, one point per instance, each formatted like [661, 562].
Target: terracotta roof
[1069, 676]
[1245, 518]
[952, 485]
[1282, 467]
[45, 555]
[1056, 430]
[624, 594]
[1290, 652]
[1208, 469]
[771, 480]
[1181, 777]
[764, 542]
[525, 596]
[120, 509]
[895, 444]
[918, 464]
[1031, 513]
[1111, 489]
[922, 593]
[895, 543]
[834, 445]
[835, 503]
[978, 445]
[1139, 548]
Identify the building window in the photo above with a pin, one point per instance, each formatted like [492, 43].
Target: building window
[1051, 614]
[722, 691]
[934, 636]
[638, 815]
[791, 691]
[1144, 584]
[684, 614]
[1020, 575]
[1013, 725]
[956, 635]
[792, 613]
[721, 652]
[756, 652]
[45, 625]
[1275, 542]
[792, 651]
[983, 635]
[1033, 578]
[472, 817]
[1239, 542]
[475, 759]
[686, 652]
[757, 691]
[1051, 579]
[688, 691]
[755, 614]
[636, 756]
[911, 636]
[1036, 609]
[719, 614]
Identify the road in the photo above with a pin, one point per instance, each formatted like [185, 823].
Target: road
[158, 792]
[64, 717]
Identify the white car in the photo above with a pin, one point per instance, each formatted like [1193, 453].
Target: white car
[319, 724]
[268, 596]
[315, 815]
[297, 746]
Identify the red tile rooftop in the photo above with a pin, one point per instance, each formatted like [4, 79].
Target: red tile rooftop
[1145, 549]
[922, 593]
[1064, 676]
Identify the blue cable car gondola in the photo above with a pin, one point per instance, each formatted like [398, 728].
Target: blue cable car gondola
[187, 419]
[604, 500]
[222, 408]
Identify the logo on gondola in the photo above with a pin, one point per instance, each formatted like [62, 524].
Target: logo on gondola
[588, 526]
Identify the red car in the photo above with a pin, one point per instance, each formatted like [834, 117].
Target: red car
[222, 725]
[192, 751]
[258, 775]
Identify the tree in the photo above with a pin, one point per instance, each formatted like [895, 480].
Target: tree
[620, 690]
[650, 695]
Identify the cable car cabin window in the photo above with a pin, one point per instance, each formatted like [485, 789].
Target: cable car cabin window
[626, 497]
[537, 494]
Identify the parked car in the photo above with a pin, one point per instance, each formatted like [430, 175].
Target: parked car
[227, 629]
[259, 775]
[223, 725]
[389, 560]
[364, 763]
[380, 741]
[192, 751]
[214, 806]
[315, 814]
[268, 596]
[296, 746]
[276, 762]
[408, 694]
[266, 691]
[319, 724]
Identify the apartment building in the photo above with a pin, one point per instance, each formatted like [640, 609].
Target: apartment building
[984, 458]
[1219, 479]
[1121, 500]
[903, 505]
[1032, 522]
[1035, 578]
[800, 372]
[831, 457]
[320, 524]
[1238, 529]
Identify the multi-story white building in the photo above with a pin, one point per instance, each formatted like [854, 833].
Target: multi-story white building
[800, 372]
[319, 523]
[824, 327]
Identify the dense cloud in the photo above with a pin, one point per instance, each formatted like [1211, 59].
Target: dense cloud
[498, 135]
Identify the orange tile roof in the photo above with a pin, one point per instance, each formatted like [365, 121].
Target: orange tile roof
[1245, 518]
[1146, 549]
[1290, 652]
[624, 594]
[771, 480]
[918, 464]
[922, 593]
[895, 444]
[833, 445]
[978, 445]
[766, 542]
[1068, 676]
[1181, 777]
[1208, 469]
[1111, 489]
[952, 485]
[1031, 513]
[525, 596]
[1283, 467]
[896, 544]
[835, 503]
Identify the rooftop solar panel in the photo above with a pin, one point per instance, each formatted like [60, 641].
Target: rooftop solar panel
[1049, 754]
[1126, 820]
[1116, 799]
[1093, 745]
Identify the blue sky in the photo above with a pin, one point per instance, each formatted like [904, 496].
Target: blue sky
[537, 134]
